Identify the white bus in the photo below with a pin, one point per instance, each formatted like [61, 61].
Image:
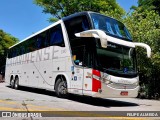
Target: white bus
[85, 53]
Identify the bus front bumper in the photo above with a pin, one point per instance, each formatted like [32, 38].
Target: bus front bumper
[109, 92]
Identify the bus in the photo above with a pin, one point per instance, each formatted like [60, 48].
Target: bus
[86, 53]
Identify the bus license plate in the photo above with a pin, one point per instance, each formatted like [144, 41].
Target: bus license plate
[124, 93]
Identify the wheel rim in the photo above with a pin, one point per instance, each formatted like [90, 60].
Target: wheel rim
[62, 88]
[12, 83]
[16, 84]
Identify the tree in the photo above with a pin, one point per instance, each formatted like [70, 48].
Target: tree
[145, 27]
[62, 8]
[148, 5]
[6, 40]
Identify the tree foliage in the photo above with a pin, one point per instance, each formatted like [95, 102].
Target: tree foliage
[145, 27]
[148, 5]
[62, 8]
[6, 40]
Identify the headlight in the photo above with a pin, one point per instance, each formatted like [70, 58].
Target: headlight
[136, 83]
[106, 81]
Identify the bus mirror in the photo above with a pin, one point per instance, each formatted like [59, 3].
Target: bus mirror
[147, 47]
[96, 34]
[130, 52]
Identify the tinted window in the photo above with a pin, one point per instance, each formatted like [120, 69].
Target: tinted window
[25, 44]
[31, 44]
[78, 55]
[39, 42]
[47, 38]
[10, 53]
[22, 49]
[110, 26]
[83, 51]
[42, 40]
[56, 36]
[76, 25]
[14, 52]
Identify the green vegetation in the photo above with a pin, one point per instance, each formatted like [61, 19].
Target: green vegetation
[148, 5]
[61, 8]
[6, 40]
[144, 25]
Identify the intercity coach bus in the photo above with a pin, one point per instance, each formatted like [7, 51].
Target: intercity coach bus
[86, 53]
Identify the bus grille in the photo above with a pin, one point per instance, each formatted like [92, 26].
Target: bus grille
[122, 86]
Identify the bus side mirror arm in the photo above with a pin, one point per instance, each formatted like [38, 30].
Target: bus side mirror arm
[96, 34]
[147, 47]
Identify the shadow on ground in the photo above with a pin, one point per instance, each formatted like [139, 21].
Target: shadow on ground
[83, 99]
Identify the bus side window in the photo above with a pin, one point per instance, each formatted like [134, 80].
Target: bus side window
[18, 50]
[31, 44]
[10, 53]
[56, 36]
[46, 38]
[25, 46]
[22, 50]
[85, 25]
[39, 42]
[14, 52]
[42, 40]
[78, 55]
[75, 25]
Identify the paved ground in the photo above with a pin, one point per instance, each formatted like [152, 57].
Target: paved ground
[27, 99]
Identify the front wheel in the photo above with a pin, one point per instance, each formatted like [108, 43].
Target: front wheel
[61, 88]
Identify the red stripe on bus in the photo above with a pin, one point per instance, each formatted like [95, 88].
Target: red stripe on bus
[96, 85]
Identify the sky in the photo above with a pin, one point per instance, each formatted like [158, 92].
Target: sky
[21, 18]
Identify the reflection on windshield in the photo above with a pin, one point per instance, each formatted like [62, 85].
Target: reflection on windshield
[110, 26]
[117, 58]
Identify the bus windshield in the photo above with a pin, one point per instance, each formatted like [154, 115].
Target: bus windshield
[116, 59]
[110, 26]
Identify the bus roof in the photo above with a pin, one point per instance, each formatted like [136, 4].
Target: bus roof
[46, 28]
[59, 21]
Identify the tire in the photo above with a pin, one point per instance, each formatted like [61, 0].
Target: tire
[61, 88]
[12, 83]
[16, 83]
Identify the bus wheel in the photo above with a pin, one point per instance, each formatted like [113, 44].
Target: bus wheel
[16, 83]
[12, 83]
[61, 88]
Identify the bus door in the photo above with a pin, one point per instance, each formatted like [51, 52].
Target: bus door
[78, 69]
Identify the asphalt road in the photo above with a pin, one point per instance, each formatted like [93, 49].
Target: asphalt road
[31, 100]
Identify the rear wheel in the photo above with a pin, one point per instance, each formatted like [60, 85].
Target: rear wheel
[61, 88]
[12, 83]
[16, 83]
